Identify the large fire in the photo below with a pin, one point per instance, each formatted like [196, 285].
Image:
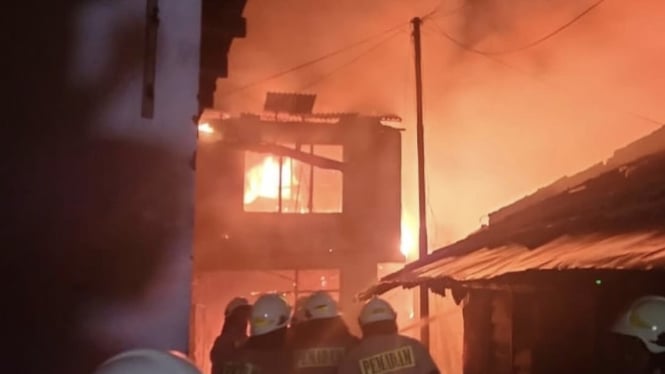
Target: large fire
[262, 180]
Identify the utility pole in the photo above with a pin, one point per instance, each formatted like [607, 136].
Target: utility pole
[422, 211]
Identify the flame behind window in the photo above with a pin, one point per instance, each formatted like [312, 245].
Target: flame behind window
[304, 188]
[263, 181]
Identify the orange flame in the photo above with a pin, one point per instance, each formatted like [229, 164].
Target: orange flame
[262, 180]
[206, 128]
[408, 243]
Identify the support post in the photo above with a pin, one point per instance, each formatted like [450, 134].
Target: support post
[422, 210]
[310, 194]
[280, 184]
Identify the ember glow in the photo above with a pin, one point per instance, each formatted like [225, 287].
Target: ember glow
[408, 240]
[262, 180]
[206, 128]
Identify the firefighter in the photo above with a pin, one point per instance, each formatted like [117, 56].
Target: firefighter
[324, 339]
[147, 361]
[298, 322]
[382, 350]
[265, 350]
[234, 332]
[637, 344]
[299, 311]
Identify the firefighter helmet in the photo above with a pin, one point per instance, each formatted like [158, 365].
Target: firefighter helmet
[376, 310]
[269, 313]
[147, 361]
[645, 320]
[321, 305]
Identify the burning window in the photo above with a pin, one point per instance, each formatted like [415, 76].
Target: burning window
[281, 184]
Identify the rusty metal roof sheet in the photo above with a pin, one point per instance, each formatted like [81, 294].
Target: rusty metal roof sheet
[636, 251]
[645, 146]
[615, 221]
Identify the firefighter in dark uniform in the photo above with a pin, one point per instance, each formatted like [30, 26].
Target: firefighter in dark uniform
[265, 350]
[234, 332]
[323, 340]
[298, 322]
[382, 350]
[636, 344]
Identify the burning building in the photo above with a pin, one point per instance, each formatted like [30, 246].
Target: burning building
[293, 202]
[540, 285]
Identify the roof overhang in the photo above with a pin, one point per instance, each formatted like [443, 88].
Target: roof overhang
[641, 251]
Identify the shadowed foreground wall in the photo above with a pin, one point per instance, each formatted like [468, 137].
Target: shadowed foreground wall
[96, 253]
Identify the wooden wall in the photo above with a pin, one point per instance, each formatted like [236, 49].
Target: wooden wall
[544, 332]
[553, 323]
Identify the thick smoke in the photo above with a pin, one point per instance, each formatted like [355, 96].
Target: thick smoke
[497, 127]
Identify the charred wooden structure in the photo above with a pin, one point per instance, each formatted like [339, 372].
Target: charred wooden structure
[541, 284]
[289, 189]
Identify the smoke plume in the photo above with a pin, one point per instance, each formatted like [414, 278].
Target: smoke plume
[497, 127]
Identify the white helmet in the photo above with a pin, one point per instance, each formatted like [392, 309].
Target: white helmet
[147, 361]
[269, 313]
[299, 311]
[645, 320]
[320, 305]
[234, 304]
[376, 310]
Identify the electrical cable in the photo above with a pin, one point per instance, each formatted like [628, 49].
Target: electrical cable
[431, 13]
[349, 62]
[523, 47]
[448, 13]
[313, 61]
[537, 79]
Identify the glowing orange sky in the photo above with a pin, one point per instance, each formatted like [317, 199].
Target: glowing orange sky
[493, 133]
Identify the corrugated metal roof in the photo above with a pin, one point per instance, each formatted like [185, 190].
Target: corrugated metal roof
[612, 222]
[645, 146]
[636, 251]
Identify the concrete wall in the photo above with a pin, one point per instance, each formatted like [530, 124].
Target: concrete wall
[97, 253]
[100, 24]
[160, 317]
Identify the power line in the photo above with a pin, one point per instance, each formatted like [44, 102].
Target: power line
[447, 13]
[431, 13]
[526, 46]
[349, 62]
[313, 61]
[645, 118]
[537, 79]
